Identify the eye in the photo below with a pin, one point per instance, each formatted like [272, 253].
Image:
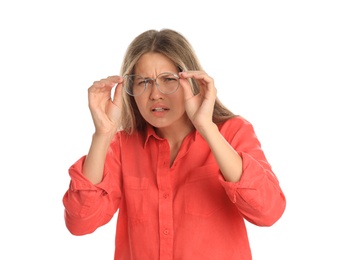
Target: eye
[140, 81]
[170, 79]
[143, 82]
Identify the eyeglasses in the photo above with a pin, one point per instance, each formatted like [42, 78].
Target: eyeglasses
[166, 83]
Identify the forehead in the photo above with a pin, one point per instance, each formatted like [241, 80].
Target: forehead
[152, 63]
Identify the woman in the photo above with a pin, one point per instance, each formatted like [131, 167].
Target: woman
[181, 170]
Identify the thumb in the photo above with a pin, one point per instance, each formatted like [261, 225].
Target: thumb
[117, 98]
[188, 93]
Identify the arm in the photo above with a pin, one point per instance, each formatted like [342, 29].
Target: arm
[229, 161]
[246, 175]
[89, 206]
[200, 109]
[257, 194]
[94, 193]
[106, 118]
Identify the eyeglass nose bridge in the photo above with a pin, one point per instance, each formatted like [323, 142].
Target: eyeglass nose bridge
[147, 80]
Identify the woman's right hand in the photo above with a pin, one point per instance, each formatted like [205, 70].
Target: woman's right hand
[105, 109]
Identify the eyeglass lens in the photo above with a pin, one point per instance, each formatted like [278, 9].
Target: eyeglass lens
[167, 83]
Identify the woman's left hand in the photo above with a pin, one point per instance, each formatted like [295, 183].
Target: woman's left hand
[199, 107]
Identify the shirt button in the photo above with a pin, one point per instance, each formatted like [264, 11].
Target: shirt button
[166, 231]
[166, 195]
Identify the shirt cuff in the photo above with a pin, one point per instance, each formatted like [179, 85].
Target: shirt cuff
[79, 182]
[252, 174]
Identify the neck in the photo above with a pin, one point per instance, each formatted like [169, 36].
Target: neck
[175, 137]
[175, 133]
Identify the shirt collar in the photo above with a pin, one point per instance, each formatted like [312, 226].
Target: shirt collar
[150, 131]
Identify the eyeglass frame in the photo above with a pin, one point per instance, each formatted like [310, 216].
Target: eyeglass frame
[147, 79]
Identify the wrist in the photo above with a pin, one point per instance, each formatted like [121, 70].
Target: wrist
[208, 131]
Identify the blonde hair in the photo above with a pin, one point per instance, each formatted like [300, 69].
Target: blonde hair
[177, 48]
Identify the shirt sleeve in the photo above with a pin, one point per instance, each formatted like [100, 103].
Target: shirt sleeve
[88, 206]
[257, 195]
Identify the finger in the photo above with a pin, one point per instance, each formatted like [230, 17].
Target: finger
[200, 76]
[111, 81]
[188, 93]
[115, 78]
[104, 85]
[192, 74]
[208, 90]
[117, 97]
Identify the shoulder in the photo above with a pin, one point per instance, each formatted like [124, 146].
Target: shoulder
[235, 122]
[235, 127]
[122, 138]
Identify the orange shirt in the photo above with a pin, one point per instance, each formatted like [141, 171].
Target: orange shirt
[183, 212]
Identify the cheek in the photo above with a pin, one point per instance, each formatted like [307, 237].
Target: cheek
[139, 100]
[179, 99]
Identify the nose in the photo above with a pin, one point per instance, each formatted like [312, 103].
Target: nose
[154, 92]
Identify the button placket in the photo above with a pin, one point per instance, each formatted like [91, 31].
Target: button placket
[165, 202]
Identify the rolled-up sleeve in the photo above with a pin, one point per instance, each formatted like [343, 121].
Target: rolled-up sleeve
[257, 195]
[89, 206]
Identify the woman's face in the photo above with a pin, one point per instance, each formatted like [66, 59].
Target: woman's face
[163, 111]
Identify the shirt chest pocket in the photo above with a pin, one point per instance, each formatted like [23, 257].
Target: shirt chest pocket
[136, 197]
[204, 195]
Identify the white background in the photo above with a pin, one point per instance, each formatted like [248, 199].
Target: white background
[283, 65]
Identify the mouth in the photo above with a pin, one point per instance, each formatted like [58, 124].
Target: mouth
[159, 109]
